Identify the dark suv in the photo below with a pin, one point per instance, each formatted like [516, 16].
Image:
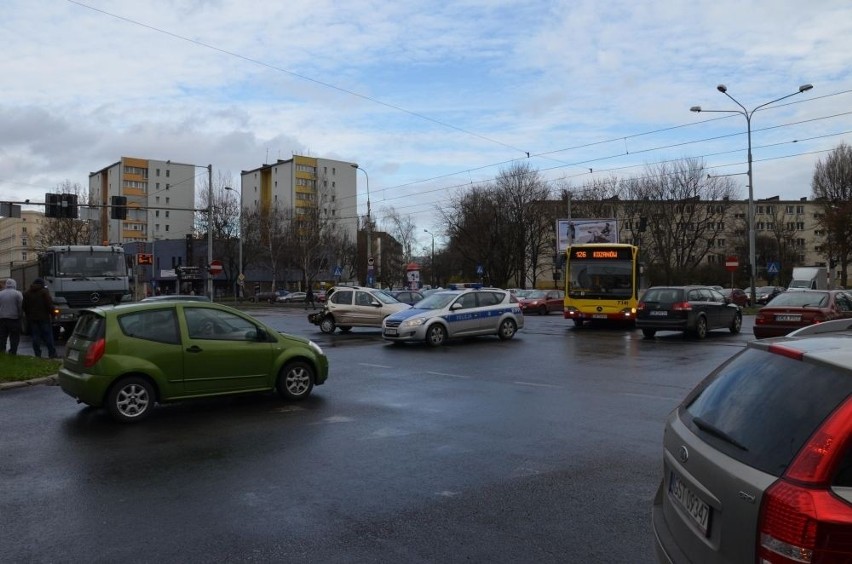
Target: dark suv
[757, 460]
[691, 309]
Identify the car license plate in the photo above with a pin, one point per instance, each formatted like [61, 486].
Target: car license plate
[74, 355]
[599, 316]
[698, 511]
[391, 332]
[660, 313]
[788, 318]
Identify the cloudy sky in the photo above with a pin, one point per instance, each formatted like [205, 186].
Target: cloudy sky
[428, 97]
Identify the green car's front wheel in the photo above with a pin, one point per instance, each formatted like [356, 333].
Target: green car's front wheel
[296, 380]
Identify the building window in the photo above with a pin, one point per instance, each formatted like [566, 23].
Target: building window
[167, 227]
[157, 213]
[158, 174]
[167, 186]
[167, 173]
[23, 255]
[800, 209]
[167, 213]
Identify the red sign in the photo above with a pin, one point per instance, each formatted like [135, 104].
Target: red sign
[215, 267]
[732, 264]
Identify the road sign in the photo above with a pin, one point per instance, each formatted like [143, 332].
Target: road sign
[241, 277]
[144, 258]
[732, 264]
[215, 267]
[479, 270]
[773, 267]
[371, 261]
[338, 271]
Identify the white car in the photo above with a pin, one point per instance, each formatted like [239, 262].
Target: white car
[456, 313]
[355, 306]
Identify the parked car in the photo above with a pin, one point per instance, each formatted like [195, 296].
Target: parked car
[692, 309]
[757, 460]
[765, 294]
[541, 302]
[293, 297]
[355, 306]
[409, 297]
[456, 313]
[176, 297]
[129, 357]
[269, 297]
[792, 310]
[737, 296]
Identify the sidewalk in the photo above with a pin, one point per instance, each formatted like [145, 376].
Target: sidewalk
[45, 381]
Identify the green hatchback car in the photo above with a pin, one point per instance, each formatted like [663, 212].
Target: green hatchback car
[129, 357]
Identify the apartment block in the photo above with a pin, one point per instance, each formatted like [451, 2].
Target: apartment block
[160, 199]
[18, 236]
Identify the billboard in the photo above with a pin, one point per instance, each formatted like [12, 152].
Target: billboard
[578, 231]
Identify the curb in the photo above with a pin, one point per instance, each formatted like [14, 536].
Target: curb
[46, 381]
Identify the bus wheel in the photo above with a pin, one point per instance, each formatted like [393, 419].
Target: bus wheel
[578, 323]
[649, 333]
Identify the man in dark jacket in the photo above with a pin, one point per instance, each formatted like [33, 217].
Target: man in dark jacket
[38, 307]
[10, 316]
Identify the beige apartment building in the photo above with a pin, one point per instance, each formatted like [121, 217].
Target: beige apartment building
[18, 240]
[301, 183]
[160, 199]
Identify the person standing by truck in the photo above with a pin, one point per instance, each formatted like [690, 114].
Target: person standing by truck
[38, 307]
[11, 304]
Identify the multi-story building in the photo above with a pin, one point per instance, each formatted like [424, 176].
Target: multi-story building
[160, 199]
[18, 237]
[793, 223]
[302, 183]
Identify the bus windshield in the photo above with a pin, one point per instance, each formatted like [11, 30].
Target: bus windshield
[593, 278]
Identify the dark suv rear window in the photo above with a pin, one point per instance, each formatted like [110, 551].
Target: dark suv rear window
[752, 408]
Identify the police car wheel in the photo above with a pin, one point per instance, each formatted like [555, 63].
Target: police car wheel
[436, 335]
[507, 329]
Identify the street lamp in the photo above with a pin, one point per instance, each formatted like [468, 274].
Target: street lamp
[433, 255]
[369, 228]
[752, 258]
[240, 278]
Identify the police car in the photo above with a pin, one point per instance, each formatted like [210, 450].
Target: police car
[449, 314]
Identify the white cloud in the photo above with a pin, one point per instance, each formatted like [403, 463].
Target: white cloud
[235, 84]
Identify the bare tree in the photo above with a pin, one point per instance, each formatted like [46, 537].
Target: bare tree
[66, 230]
[832, 187]
[686, 212]
[404, 230]
[522, 192]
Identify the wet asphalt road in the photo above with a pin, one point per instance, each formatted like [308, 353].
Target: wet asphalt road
[545, 448]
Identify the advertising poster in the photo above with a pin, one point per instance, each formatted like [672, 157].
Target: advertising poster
[579, 231]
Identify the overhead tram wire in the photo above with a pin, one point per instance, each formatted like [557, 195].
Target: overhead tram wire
[421, 116]
[300, 76]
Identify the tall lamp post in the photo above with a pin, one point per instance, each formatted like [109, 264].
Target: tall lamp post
[747, 114]
[433, 255]
[240, 277]
[369, 229]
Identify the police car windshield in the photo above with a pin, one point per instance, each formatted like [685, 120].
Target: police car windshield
[436, 301]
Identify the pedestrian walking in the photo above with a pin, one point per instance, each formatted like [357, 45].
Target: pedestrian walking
[309, 299]
[38, 307]
[11, 313]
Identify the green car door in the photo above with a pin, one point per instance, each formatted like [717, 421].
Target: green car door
[222, 353]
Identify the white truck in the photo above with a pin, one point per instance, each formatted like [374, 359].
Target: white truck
[809, 278]
[78, 276]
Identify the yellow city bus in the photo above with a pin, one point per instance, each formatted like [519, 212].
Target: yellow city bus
[601, 282]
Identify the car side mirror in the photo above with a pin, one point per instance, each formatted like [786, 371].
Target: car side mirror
[455, 306]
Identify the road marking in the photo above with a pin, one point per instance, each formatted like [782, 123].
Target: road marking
[448, 375]
[374, 365]
[537, 385]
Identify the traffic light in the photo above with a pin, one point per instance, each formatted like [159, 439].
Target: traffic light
[52, 205]
[119, 207]
[68, 206]
[188, 252]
